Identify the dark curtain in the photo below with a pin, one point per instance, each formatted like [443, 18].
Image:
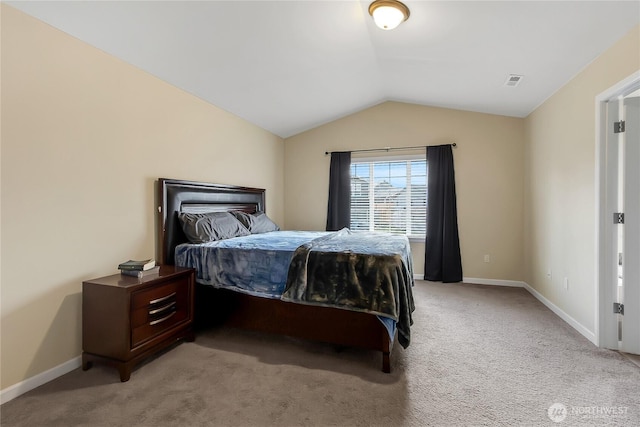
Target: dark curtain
[339, 207]
[442, 261]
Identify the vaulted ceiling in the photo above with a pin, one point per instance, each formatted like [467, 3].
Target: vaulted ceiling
[288, 66]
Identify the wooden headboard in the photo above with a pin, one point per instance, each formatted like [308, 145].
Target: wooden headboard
[197, 197]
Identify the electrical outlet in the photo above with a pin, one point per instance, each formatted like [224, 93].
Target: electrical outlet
[487, 258]
[566, 283]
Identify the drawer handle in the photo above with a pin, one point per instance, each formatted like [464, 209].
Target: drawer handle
[163, 308]
[155, 322]
[155, 301]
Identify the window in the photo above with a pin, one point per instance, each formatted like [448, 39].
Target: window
[389, 195]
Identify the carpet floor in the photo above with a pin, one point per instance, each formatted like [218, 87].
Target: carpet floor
[480, 356]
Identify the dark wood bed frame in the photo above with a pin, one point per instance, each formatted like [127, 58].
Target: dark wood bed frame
[325, 324]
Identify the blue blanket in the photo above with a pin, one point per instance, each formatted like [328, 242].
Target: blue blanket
[256, 265]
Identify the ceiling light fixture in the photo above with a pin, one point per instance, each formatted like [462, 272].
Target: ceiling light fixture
[388, 14]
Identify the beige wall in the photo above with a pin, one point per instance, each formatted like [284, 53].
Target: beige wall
[560, 192]
[84, 136]
[489, 176]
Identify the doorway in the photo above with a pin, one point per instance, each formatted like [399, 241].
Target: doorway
[618, 170]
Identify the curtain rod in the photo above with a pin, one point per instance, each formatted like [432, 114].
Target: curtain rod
[453, 144]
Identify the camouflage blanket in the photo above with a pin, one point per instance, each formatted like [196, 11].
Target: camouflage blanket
[361, 271]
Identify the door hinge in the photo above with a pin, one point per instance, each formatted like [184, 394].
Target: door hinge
[618, 127]
[618, 308]
[618, 218]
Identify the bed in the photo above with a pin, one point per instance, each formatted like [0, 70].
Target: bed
[293, 298]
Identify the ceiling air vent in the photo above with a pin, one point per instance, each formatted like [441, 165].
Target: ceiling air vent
[513, 80]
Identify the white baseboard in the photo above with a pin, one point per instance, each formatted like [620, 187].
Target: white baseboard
[476, 281]
[584, 331]
[29, 384]
[494, 282]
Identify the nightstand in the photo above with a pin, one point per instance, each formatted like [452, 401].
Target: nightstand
[126, 319]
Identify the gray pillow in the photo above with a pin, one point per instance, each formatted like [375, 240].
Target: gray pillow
[245, 219]
[212, 226]
[263, 224]
[256, 223]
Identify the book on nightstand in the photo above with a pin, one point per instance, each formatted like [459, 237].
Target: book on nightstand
[133, 265]
[141, 273]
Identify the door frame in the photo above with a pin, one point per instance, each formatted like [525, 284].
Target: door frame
[606, 325]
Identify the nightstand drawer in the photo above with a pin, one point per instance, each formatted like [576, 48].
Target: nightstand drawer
[158, 309]
[158, 295]
[156, 324]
